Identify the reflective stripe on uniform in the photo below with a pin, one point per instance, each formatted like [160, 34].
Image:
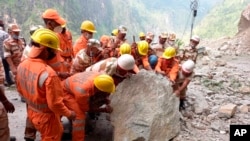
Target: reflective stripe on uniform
[78, 128]
[67, 86]
[79, 121]
[80, 90]
[37, 107]
[54, 65]
[42, 78]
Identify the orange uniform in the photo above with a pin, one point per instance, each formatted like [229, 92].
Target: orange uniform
[66, 47]
[170, 67]
[112, 49]
[140, 61]
[58, 64]
[77, 90]
[66, 44]
[40, 86]
[81, 43]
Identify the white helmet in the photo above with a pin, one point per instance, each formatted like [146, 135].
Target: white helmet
[188, 66]
[195, 38]
[94, 43]
[126, 62]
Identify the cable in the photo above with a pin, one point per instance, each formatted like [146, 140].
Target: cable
[186, 25]
[194, 6]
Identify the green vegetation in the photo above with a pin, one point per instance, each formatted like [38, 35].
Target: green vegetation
[138, 15]
[222, 20]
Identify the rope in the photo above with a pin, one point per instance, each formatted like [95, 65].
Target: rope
[186, 25]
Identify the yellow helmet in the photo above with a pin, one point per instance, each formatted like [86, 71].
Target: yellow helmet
[141, 34]
[88, 26]
[142, 48]
[169, 53]
[104, 83]
[46, 38]
[125, 48]
[114, 32]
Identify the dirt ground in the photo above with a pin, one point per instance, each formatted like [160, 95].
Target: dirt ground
[235, 65]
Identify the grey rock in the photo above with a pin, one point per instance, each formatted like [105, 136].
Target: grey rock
[245, 102]
[200, 103]
[227, 111]
[143, 111]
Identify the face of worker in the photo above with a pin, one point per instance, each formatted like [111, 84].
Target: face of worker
[51, 53]
[54, 26]
[185, 73]
[15, 35]
[120, 71]
[162, 40]
[121, 36]
[167, 61]
[87, 35]
[193, 43]
[94, 51]
[100, 93]
[171, 42]
[149, 41]
[142, 38]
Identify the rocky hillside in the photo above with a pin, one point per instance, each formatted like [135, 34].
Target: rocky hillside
[139, 15]
[222, 20]
[236, 45]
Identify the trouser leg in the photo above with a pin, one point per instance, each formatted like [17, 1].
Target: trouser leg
[78, 125]
[6, 71]
[4, 125]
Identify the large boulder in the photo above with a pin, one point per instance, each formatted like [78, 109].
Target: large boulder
[244, 22]
[145, 109]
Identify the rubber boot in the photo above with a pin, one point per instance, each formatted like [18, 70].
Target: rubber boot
[12, 138]
[182, 105]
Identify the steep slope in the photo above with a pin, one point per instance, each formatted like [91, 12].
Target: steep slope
[222, 20]
[137, 15]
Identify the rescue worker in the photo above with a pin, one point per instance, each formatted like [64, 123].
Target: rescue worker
[167, 65]
[140, 53]
[184, 77]
[66, 45]
[87, 57]
[171, 40]
[87, 31]
[27, 48]
[125, 48]
[5, 107]
[13, 48]
[114, 32]
[4, 35]
[149, 39]
[54, 22]
[115, 67]
[153, 59]
[104, 40]
[190, 51]
[142, 36]
[114, 43]
[87, 92]
[160, 47]
[41, 87]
